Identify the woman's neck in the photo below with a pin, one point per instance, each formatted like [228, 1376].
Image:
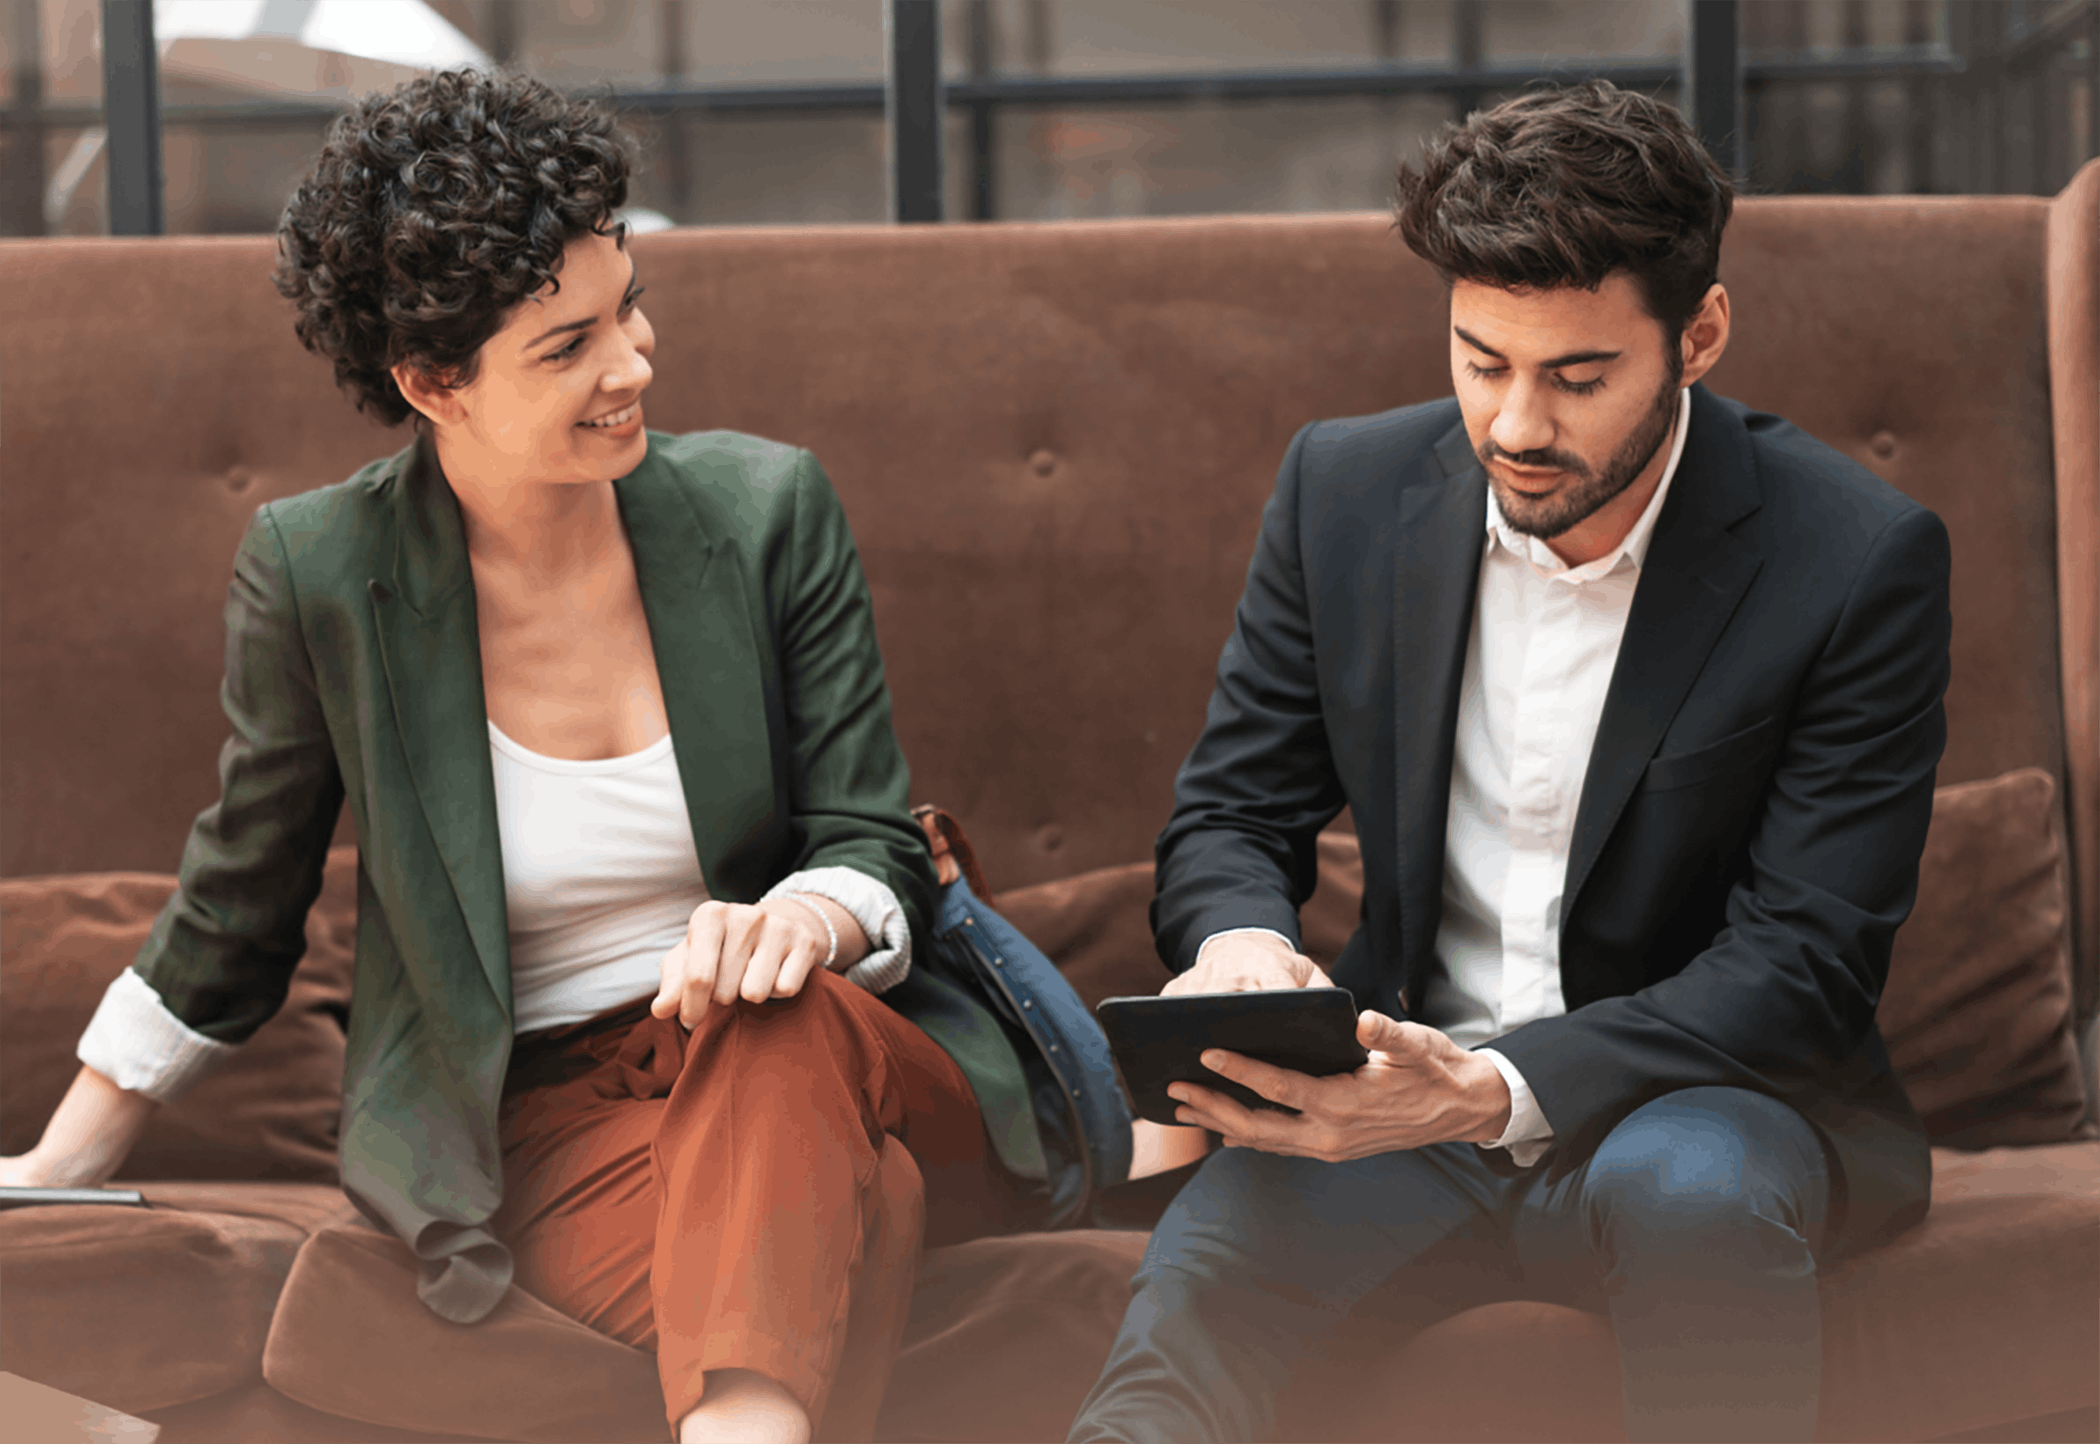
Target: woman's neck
[544, 530]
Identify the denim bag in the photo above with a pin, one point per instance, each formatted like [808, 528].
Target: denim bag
[1054, 1110]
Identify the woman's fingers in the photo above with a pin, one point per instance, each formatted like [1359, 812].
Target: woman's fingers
[803, 958]
[689, 968]
[780, 962]
[670, 987]
[731, 950]
[741, 927]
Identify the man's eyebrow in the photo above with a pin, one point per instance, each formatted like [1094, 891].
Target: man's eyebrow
[587, 322]
[1573, 358]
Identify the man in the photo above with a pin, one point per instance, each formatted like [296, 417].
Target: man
[1635, 697]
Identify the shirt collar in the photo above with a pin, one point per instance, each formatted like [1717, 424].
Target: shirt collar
[1634, 549]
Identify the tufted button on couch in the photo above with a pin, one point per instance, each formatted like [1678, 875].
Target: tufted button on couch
[1054, 443]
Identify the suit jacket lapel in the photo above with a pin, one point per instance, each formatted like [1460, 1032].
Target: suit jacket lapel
[430, 645]
[712, 667]
[1695, 573]
[1436, 575]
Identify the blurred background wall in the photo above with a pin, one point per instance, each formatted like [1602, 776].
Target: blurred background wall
[771, 111]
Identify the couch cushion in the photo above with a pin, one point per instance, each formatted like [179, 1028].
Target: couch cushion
[269, 1112]
[351, 1339]
[144, 1308]
[1983, 1313]
[1008, 1334]
[1977, 1012]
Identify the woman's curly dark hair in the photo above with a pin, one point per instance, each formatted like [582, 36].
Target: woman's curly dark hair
[1562, 186]
[432, 210]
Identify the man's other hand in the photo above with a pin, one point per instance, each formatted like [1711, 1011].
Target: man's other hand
[1250, 962]
[1418, 1088]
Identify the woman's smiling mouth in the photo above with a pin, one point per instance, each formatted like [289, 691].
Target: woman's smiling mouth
[614, 419]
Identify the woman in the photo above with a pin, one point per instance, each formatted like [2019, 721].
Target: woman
[607, 709]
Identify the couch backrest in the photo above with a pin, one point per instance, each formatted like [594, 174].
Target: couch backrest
[1053, 441]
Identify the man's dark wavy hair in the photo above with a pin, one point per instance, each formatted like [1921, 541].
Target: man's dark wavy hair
[433, 210]
[1564, 186]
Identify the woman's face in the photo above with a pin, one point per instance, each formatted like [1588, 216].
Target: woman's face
[557, 394]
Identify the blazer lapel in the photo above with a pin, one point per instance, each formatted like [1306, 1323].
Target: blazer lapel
[1436, 575]
[712, 668]
[430, 645]
[1695, 573]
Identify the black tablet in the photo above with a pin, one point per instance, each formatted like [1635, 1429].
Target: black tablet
[1158, 1041]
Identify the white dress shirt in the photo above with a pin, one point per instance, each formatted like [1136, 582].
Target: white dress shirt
[1539, 658]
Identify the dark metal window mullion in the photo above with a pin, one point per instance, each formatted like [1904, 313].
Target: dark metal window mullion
[1712, 93]
[915, 109]
[22, 177]
[984, 160]
[131, 111]
[1468, 53]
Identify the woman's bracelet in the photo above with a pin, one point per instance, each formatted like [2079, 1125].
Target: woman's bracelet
[809, 901]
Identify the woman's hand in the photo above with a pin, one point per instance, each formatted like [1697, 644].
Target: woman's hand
[733, 950]
[21, 1172]
[87, 1139]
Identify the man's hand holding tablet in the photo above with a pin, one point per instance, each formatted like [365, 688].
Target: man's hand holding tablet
[1417, 1088]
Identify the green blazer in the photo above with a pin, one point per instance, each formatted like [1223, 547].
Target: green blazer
[353, 672]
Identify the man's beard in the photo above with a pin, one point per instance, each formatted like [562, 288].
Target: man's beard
[1586, 489]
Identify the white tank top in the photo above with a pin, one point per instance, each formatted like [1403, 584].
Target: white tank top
[599, 877]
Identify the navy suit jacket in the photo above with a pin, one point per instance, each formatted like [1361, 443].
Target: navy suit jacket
[1755, 804]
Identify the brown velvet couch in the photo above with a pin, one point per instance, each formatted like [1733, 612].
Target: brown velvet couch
[1054, 443]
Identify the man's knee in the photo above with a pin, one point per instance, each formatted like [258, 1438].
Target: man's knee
[1702, 1164]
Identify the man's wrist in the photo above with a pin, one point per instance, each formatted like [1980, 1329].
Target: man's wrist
[1496, 1104]
[1287, 944]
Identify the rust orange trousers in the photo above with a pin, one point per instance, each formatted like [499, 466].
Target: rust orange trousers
[701, 1193]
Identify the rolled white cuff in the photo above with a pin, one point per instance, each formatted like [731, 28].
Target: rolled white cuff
[1528, 1134]
[137, 1044]
[877, 911]
[1235, 932]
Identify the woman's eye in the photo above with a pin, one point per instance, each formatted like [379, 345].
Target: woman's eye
[633, 297]
[567, 351]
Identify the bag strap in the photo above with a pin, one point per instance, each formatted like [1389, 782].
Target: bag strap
[953, 856]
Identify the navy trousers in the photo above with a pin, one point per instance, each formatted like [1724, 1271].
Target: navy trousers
[1695, 1225]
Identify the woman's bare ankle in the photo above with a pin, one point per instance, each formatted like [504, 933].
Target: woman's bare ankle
[747, 1408]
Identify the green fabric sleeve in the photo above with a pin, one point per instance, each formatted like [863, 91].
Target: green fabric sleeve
[850, 787]
[222, 951]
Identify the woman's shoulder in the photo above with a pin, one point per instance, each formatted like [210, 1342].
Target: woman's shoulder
[340, 535]
[742, 484]
[343, 512]
[735, 460]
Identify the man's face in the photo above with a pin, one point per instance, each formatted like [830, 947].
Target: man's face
[1568, 396]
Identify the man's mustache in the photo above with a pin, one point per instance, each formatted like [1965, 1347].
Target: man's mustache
[1556, 460]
